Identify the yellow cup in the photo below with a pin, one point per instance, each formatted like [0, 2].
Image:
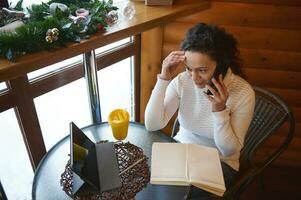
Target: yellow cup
[119, 122]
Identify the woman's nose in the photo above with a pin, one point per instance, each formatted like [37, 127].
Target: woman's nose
[194, 75]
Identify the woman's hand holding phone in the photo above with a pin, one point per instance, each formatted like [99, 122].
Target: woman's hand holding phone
[170, 64]
[219, 96]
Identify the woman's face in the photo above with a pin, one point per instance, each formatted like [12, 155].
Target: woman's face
[200, 67]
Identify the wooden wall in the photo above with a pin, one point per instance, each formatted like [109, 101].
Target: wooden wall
[269, 38]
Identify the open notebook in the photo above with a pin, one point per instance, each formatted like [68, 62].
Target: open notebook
[187, 164]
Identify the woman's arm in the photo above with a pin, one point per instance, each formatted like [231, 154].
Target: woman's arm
[163, 103]
[230, 130]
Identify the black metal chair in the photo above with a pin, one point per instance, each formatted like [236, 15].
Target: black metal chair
[2, 193]
[269, 115]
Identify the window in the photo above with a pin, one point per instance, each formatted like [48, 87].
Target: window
[26, 3]
[15, 169]
[56, 109]
[116, 88]
[3, 86]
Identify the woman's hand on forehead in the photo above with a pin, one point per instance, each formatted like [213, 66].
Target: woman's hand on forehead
[170, 63]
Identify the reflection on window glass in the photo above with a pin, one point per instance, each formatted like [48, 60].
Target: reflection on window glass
[2, 86]
[15, 169]
[26, 3]
[113, 45]
[59, 107]
[115, 88]
[55, 67]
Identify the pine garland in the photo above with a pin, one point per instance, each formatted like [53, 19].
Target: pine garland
[31, 36]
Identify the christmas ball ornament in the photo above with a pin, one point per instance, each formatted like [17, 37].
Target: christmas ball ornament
[49, 32]
[55, 32]
[112, 17]
[58, 6]
[55, 38]
[48, 39]
[129, 10]
[52, 35]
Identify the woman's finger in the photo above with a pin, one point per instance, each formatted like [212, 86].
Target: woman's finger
[213, 91]
[177, 53]
[178, 57]
[209, 97]
[223, 85]
[219, 88]
[221, 81]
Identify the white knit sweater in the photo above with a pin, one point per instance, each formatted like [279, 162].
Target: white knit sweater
[223, 130]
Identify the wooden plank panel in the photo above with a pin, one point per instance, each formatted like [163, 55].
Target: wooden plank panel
[291, 96]
[297, 113]
[175, 32]
[266, 38]
[282, 161]
[247, 37]
[169, 47]
[287, 158]
[276, 2]
[288, 154]
[270, 59]
[151, 47]
[275, 140]
[273, 78]
[247, 14]
[283, 130]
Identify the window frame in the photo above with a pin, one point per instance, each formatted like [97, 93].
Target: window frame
[21, 93]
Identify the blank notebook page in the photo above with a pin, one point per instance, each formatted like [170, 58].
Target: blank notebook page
[204, 166]
[173, 159]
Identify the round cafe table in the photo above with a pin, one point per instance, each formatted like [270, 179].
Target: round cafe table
[46, 183]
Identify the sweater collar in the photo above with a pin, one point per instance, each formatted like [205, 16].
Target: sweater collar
[229, 77]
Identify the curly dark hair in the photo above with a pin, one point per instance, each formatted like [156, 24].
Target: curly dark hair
[215, 42]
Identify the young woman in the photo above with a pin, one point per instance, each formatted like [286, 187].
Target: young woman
[219, 118]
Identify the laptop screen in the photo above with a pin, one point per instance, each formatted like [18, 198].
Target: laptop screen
[83, 156]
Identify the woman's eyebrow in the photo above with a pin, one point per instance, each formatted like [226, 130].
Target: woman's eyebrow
[195, 68]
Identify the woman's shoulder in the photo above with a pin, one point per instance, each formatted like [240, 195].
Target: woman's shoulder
[241, 87]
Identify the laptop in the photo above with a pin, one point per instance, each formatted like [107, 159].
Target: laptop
[94, 164]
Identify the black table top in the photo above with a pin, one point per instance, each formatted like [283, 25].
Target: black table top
[46, 184]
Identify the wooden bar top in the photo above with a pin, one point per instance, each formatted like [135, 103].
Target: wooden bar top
[146, 17]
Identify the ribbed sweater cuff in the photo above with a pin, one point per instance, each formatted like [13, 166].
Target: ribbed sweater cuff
[161, 84]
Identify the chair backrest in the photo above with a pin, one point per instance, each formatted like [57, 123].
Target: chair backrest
[270, 113]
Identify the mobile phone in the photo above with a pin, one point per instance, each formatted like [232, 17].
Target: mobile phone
[220, 69]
